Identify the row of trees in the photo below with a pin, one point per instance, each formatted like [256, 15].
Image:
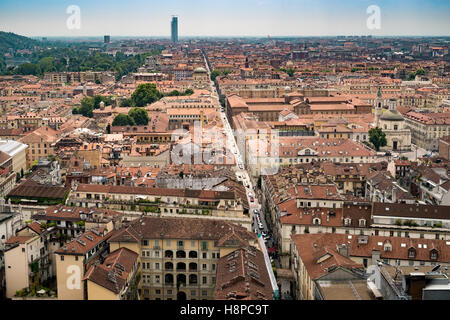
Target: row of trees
[136, 116]
[75, 60]
[147, 93]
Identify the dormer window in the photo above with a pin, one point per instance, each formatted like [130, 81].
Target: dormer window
[411, 253]
[434, 254]
[316, 221]
[362, 222]
[388, 247]
[347, 221]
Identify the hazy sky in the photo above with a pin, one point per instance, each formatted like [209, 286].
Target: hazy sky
[225, 18]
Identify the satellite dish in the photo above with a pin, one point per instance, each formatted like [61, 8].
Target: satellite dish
[436, 268]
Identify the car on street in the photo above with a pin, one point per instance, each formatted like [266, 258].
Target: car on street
[252, 199]
[260, 225]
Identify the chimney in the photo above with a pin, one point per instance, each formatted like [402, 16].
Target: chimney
[376, 255]
[394, 194]
[344, 249]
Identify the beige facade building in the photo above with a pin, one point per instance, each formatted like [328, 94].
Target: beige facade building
[179, 257]
[74, 259]
[41, 144]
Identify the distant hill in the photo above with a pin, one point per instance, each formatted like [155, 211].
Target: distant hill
[11, 40]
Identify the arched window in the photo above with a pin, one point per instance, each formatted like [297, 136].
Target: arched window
[181, 279]
[181, 266]
[192, 266]
[192, 279]
[168, 266]
[316, 221]
[411, 253]
[192, 254]
[168, 278]
[181, 254]
[168, 254]
[434, 254]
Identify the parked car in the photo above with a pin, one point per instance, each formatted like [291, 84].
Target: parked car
[260, 225]
[252, 199]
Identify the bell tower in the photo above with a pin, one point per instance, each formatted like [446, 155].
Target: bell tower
[378, 106]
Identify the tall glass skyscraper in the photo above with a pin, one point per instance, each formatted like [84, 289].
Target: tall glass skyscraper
[174, 29]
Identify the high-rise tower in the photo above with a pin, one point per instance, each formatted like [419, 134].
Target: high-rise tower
[174, 28]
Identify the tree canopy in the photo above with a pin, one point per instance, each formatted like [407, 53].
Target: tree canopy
[139, 115]
[123, 120]
[144, 94]
[88, 105]
[377, 137]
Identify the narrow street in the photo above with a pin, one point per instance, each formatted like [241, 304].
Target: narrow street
[259, 225]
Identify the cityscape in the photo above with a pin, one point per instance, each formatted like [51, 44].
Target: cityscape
[183, 165]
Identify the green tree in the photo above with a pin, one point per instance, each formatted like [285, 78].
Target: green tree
[188, 92]
[87, 106]
[377, 137]
[126, 103]
[2, 65]
[215, 74]
[46, 65]
[123, 120]
[420, 72]
[144, 94]
[28, 69]
[139, 115]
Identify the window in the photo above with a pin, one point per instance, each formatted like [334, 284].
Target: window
[411, 253]
[158, 291]
[157, 265]
[144, 243]
[156, 254]
[62, 258]
[204, 255]
[204, 267]
[204, 280]
[433, 254]
[180, 243]
[157, 279]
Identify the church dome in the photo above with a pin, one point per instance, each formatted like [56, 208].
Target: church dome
[200, 70]
[391, 115]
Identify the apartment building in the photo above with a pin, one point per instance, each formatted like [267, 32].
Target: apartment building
[171, 201]
[28, 258]
[179, 257]
[242, 275]
[264, 156]
[115, 278]
[17, 151]
[427, 128]
[357, 252]
[75, 258]
[41, 144]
